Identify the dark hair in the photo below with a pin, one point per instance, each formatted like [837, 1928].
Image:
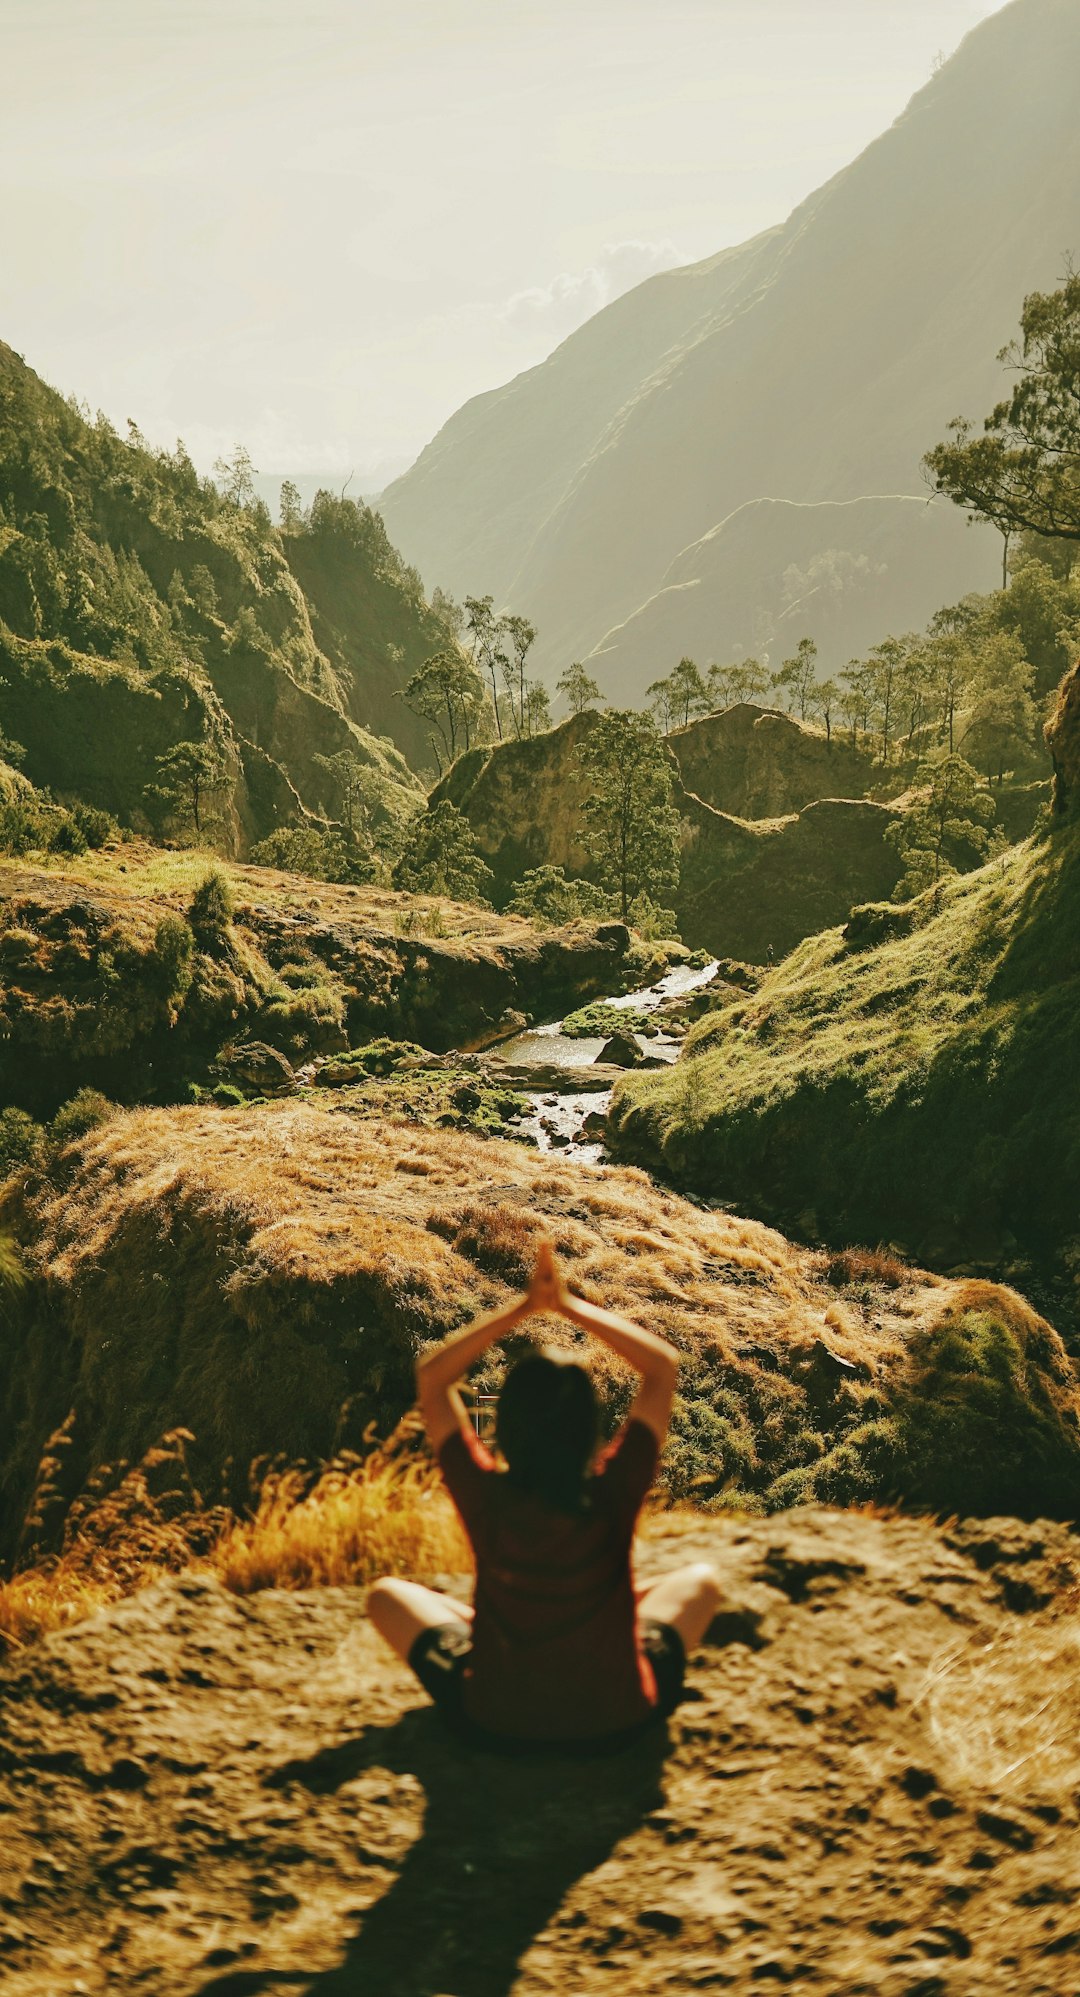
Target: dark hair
[546, 1425]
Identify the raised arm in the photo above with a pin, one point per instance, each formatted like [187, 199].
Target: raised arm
[438, 1372]
[651, 1355]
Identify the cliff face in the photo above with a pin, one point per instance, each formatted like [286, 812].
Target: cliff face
[139, 609]
[745, 435]
[754, 762]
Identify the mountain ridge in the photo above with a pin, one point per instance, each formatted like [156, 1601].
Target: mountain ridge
[838, 346]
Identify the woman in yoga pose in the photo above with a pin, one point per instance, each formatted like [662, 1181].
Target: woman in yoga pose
[559, 1649]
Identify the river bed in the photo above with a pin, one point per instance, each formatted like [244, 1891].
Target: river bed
[558, 1117]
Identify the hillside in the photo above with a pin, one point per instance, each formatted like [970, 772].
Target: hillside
[729, 455]
[274, 1269]
[909, 1078]
[140, 609]
[872, 1787]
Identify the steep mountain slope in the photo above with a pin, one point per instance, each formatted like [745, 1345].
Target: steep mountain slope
[813, 365]
[140, 609]
[911, 1077]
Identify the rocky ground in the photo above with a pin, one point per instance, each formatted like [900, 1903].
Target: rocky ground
[871, 1787]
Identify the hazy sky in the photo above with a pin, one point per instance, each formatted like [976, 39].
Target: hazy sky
[320, 225]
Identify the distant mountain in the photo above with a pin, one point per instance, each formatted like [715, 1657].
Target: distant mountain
[139, 609]
[728, 456]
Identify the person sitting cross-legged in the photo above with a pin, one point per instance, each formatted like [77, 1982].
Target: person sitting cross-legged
[559, 1649]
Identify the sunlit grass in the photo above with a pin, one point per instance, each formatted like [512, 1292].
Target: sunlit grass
[385, 1513]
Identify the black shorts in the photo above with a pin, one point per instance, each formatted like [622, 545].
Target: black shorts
[439, 1657]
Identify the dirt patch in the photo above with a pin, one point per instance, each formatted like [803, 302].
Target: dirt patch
[864, 1792]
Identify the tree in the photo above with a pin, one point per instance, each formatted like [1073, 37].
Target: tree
[1023, 472]
[1000, 724]
[486, 631]
[1043, 610]
[309, 849]
[957, 810]
[577, 689]
[291, 511]
[796, 677]
[544, 895]
[683, 693]
[191, 776]
[237, 475]
[885, 665]
[857, 700]
[747, 679]
[537, 708]
[447, 691]
[824, 701]
[631, 827]
[449, 614]
[440, 856]
[522, 636]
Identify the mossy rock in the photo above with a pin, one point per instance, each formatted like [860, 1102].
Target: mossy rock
[600, 1020]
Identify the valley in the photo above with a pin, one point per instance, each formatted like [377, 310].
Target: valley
[651, 835]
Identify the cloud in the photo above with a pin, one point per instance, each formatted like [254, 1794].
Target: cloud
[555, 309]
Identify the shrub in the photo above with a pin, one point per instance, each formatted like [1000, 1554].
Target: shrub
[212, 907]
[21, 1141]
[171, 959]
[545, 896]
[82, 1113]
[982, 1424]
[304, 849]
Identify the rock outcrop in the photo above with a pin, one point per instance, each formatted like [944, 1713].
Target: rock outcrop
[89, 992]
[863, 1792]
[779, 839]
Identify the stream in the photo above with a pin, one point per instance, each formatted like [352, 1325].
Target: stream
[557, 1114]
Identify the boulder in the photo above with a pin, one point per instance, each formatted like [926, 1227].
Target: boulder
[256, 1065]
[621, 1051]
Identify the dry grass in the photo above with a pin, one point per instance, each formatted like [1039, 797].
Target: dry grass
[248, 1274]
[385, 1513]
[138, 880]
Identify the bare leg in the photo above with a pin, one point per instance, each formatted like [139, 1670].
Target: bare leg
[688, 1598]
[400, 1610]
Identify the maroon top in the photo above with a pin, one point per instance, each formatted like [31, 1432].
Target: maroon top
[555, 1651]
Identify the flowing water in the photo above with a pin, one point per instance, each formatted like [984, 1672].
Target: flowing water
[557, 1117]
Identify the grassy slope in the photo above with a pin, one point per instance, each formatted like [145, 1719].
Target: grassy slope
[265, 1276]
[919, 1088]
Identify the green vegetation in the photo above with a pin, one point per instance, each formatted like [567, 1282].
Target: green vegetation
[544, 895]
[439, 856]
[1023, 472]
[578, 688]
[630, 825]
[421, 1090]
[909, 1078]
[157, 652]
[955, 810]
[600, 1020]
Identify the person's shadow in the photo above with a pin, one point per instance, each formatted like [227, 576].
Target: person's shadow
[503, 1841]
